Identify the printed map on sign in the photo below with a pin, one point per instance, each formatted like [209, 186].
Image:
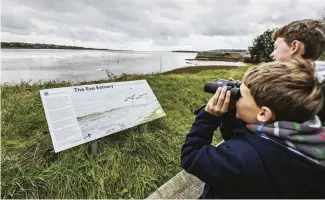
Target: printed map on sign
[80, 114]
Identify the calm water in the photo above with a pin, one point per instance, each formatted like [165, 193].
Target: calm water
[83, 65]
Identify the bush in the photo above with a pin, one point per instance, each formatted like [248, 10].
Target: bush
[262, 47]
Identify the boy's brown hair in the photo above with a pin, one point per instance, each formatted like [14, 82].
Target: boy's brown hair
[309, 31]
[289, 89]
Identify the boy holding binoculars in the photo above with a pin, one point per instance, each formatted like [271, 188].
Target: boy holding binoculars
[279, 152]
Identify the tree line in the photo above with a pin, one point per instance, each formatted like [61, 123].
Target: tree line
[22, 45]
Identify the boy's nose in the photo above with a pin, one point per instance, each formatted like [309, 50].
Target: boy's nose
[272, 55]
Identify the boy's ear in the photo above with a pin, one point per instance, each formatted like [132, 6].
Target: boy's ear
[297, 47]
[265, 115]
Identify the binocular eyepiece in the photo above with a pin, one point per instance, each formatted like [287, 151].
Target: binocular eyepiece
[232, 86]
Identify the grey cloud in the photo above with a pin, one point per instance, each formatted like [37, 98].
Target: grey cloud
[16, 25]
[236, 18]
[170, 5]
[223, 19]
[225, 31]
[271, 20]
[164, 22]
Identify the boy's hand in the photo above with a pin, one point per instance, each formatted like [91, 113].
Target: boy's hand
[219, 103]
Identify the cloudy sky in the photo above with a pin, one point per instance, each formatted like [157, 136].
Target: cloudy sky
[149, 24]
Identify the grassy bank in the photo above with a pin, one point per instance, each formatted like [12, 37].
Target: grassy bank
[130, 164]
[197, 69]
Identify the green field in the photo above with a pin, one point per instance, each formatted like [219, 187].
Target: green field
[130, 164]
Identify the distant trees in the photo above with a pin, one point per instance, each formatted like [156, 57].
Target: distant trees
[262, 47]
[41, 46]
[21, 45]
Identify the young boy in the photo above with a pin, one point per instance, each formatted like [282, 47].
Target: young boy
[301, 39]
[277, 154]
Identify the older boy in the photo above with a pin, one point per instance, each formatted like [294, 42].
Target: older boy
[302, 39]
[278, 154]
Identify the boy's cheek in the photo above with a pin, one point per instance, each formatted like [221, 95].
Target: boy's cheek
[282, 56]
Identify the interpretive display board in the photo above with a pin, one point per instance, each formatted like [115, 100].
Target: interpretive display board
[80, 114]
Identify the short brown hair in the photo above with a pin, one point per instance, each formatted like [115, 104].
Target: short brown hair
[310, 32]
[290, 89]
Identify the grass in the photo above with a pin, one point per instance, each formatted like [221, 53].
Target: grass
[130, 164]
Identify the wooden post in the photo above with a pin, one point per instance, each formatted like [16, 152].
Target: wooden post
[143, 128]
[93, 147]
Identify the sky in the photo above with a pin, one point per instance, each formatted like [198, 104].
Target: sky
[149, 25]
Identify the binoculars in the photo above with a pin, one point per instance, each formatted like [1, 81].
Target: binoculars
[232, 86]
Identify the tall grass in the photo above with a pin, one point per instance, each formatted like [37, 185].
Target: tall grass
[130, 164]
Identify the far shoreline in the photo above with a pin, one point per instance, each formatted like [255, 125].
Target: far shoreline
[26, 45]
[68, 49]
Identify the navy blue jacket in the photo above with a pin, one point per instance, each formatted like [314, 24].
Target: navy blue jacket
[247, 165]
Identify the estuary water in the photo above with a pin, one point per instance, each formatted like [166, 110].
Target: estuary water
[87, 65]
